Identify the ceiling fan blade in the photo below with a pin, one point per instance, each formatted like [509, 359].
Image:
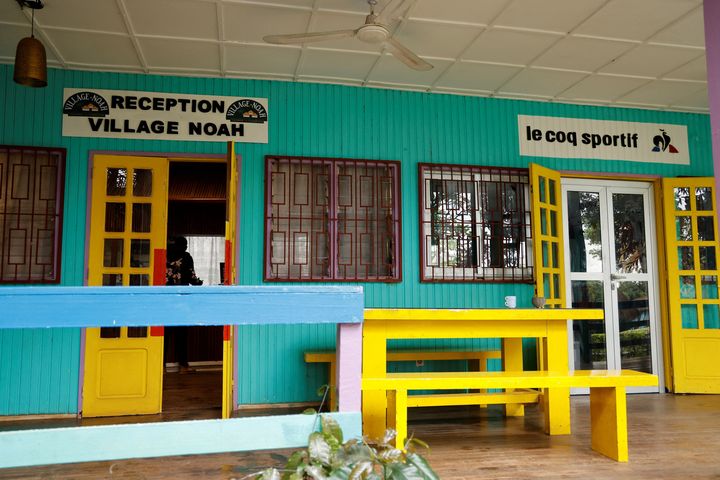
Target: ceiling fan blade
[295, 38]
[392, 11]
[402, 53]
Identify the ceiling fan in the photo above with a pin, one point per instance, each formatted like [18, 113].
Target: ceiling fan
[375, 31]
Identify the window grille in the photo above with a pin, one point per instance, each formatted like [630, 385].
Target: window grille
[475, 224]
[331, 220]
[31, 202]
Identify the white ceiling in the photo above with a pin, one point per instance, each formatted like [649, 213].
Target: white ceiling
[637, 53]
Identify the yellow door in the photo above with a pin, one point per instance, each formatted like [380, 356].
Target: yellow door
[124, 365]
[230, 272]
[691, 239]
[547, 225]
[547, 236]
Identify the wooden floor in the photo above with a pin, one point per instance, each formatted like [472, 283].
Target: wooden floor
[670, 436]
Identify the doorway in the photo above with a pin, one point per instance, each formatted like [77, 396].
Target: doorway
[611, 263]
[194, 355]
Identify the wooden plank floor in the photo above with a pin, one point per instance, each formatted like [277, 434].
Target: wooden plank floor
[670, 436]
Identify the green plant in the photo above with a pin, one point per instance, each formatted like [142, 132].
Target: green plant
[327, 457]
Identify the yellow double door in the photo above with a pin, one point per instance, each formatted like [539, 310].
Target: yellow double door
[123, 366]
[688, 225]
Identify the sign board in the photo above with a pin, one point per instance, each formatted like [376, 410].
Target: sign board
[561, 137]
[163, 116]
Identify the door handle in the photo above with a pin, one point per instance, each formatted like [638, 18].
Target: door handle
[614, 277]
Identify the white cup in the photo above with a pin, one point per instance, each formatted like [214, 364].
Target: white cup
[511, 301]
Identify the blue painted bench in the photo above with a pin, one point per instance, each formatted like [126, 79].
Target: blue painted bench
[61, 307]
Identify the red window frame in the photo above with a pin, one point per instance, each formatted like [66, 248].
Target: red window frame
[23, 198]
[463, 235]
[332, 219]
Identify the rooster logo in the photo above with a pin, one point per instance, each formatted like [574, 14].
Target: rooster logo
[662, 143]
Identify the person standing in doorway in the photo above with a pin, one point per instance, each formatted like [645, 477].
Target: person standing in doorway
[180, 271]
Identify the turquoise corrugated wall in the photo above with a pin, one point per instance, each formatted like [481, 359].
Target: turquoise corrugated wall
[310, 120]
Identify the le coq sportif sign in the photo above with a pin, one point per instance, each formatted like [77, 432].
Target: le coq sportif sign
[562, 137]
[163, 116]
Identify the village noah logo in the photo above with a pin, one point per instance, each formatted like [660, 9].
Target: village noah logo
[662, 143]
[246, 111]
[86, 104]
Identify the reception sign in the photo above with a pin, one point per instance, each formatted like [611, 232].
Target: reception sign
[561, 137]
[163, 116]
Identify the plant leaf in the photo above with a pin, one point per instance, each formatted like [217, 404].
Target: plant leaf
[318, 448]
[323, 388]
[412, 441]
[315, 472]
[401, 471]
[390, 434]
[296, 460]
[342, 473]
[330, 426]
[422, 465]
[361, 470]
[269, 474]
[309, 411]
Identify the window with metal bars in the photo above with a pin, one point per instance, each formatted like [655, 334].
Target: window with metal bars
[331, 220]
[475, 224]
[31, 202]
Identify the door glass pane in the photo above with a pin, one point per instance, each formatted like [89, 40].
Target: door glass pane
[114, 217]
[590, 350]
[687, 286]
[709, 286]
[553, 223]
[545, 254]
[116, 182]
[140, 280]
[140, 253]
[111, 280]
[113, 252]
[142, 182]
[683, 229]
[541, 193]
[711, 317]
[141, 217]
[551, 192]
[682, 198]
[634, 321]
[543, 221]
[584, 231]
[629, 223]
[703, 198]
[688, 314]
[707, 258]
[686, 260]
[706, 229]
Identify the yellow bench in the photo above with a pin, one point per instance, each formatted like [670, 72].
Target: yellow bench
[608, 411]
[481, 356]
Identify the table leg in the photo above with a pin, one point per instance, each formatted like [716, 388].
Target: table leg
[512, 360]
[374, 365]
[608, 420]
[557, 400]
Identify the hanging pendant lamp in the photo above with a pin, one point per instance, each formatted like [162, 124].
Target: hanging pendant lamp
[30, 59]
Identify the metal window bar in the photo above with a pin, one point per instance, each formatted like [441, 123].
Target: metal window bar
[354, 220]
[475, 224]
[31, 200]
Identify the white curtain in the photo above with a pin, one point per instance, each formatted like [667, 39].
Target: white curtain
[208, 253]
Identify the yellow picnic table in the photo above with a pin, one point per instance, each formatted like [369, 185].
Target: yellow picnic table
[511, 325]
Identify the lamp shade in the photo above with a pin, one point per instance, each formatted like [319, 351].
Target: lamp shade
[30, 63]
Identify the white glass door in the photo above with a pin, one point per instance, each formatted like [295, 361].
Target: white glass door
[611, 264]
